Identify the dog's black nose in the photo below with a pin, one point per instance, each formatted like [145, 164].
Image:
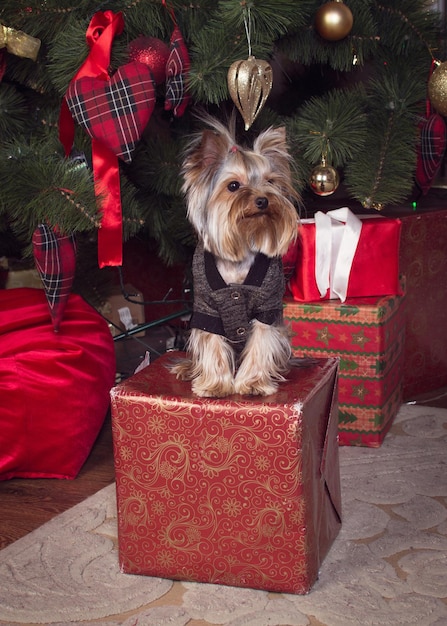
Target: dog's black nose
[262, 203]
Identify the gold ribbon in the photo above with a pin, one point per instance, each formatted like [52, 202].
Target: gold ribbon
[19, 43]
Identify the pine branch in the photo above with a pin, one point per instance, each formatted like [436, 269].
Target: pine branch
[305, 46]
[166, 223]
[333, 125]
[212, 56]
[266, 20]
[407, 26]
[150, 12]
[132, 211]
[383, 173]
[40, 19]
[156, 166]
[41, 186]
[390, 181]
[67, 53]
[13, 112]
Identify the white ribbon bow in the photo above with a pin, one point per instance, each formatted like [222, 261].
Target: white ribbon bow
[337, 234]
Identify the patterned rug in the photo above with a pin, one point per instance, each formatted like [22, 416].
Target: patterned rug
[388, 566]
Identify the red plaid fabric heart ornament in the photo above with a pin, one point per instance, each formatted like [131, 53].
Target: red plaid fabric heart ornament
[55, 259]
[430, 151]
[114, 112]
[177, 68]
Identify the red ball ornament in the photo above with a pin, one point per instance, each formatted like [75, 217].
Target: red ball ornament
[152, 52]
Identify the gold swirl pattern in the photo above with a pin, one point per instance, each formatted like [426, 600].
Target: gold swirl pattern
[237, 491]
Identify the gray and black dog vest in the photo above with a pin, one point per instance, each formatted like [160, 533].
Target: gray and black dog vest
[228, 309]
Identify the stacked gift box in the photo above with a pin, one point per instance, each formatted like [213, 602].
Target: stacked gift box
[367, 334]
[241, 491]
[366, 330]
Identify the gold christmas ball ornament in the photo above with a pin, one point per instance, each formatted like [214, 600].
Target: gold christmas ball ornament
[437, 89]
[334, 20]
[324, 179]
[249, 84]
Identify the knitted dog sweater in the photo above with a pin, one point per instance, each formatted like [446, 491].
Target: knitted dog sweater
[228, 310]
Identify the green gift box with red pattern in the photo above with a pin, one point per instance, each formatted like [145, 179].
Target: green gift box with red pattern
[367, 335]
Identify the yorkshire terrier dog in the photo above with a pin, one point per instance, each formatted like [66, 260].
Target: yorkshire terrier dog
[240, 203]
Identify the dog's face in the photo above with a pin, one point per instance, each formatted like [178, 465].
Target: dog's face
[240, 200]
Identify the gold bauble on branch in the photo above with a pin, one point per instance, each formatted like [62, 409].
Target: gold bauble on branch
[324, 179]
[334, 20]
[437, 89]
[250, 83]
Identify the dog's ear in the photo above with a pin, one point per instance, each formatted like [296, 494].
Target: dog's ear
[272, 141]
[214, 148]
[273, 145]
[202, 159]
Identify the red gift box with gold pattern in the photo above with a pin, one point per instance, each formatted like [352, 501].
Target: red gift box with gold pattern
[367, 335]
[241, 491]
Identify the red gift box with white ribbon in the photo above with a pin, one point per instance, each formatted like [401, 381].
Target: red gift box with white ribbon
[338, 255]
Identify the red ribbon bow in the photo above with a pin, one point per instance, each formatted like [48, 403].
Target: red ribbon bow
[101, 31]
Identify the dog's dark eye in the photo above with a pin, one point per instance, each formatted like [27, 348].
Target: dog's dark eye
[233, 186]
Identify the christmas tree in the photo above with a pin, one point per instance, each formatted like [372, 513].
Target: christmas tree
[351, 96]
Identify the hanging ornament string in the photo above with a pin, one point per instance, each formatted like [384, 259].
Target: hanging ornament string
[247, 25]
[250, 81]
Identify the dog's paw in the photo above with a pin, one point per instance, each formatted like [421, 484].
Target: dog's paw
[255, 387]
[206, 388]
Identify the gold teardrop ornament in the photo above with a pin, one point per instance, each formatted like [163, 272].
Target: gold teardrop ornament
[250, 83]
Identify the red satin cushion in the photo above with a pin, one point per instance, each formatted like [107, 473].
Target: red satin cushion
[54, 387]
